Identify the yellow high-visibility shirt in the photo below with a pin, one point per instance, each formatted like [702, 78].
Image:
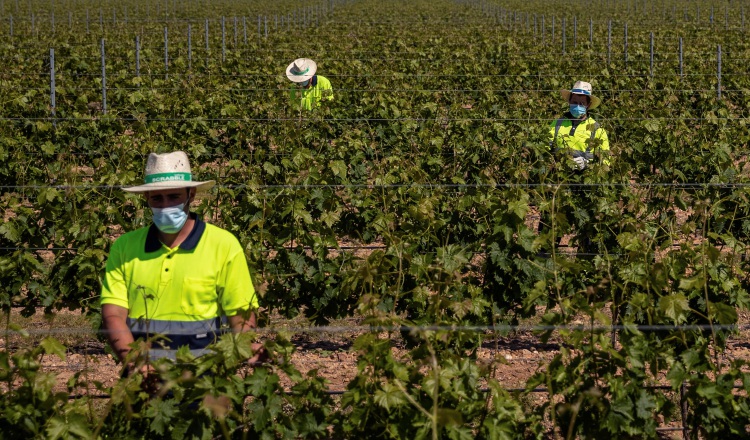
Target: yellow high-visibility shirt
[311, 97]
[184, 293]
[584, 137]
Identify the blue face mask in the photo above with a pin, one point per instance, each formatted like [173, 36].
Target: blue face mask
[170, 220]
[303, 83]
[577, 110]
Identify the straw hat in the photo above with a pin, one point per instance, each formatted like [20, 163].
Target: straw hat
[169, 171]
[582, 88]
[301, 70]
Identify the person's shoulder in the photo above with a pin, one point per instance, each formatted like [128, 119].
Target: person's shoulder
[220, 235]
[138, 235]
[591, 121]
[564, 120]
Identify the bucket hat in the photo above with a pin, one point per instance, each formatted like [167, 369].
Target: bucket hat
[582, 88]
[169, 171]
[301, 70]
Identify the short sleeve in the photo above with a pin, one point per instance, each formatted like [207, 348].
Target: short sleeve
[114, 289]
[236, 286]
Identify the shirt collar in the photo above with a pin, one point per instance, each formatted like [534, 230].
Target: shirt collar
[152, 238]
[314, 80]
[574, 120]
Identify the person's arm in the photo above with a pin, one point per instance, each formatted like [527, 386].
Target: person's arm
[243, 321]
[604, 146]
[120, 337]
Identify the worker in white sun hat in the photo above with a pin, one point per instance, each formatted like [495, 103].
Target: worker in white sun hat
[309, 89]
[180, 277]
[576, 132]
[581, 142]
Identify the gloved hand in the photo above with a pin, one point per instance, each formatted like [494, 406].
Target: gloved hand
[581, 162]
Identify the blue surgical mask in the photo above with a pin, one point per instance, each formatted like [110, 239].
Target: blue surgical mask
[303, 83]
[170, 220]
[577, 110]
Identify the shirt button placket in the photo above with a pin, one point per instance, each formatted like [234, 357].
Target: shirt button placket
[166, 266]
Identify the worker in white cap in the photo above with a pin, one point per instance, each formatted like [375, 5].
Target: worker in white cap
[576, 133]
[581, 142]
[309, 89]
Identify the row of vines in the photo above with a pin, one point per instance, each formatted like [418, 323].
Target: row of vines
[412, 199]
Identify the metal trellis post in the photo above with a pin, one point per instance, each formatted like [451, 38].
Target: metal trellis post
[166, 52]
[681, 73]
[651, 69]
[137, 55]
[52, 103]
[718, 82]
[609, 42]
[626, 43]
[104, 79]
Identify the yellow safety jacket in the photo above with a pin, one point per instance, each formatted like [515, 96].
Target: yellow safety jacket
[310, 97]
[581, 138]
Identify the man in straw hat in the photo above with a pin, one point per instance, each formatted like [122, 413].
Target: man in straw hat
[576, 132]
[578, 137]
[180, 277]
[309, 89]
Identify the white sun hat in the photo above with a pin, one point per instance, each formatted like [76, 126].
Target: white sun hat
[169, 171]
[301, 70]
[582, 88]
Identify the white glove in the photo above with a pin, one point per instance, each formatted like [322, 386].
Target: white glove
[581, 162]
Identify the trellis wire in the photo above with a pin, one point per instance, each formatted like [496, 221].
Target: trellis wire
[434, 185]
[400, 91]
[501, 328]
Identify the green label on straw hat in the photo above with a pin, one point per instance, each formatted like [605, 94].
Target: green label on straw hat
[169, 177]
[300, 72]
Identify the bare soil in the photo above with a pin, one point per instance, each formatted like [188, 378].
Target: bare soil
[327, 353]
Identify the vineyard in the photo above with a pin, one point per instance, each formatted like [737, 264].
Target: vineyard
[409, 206]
